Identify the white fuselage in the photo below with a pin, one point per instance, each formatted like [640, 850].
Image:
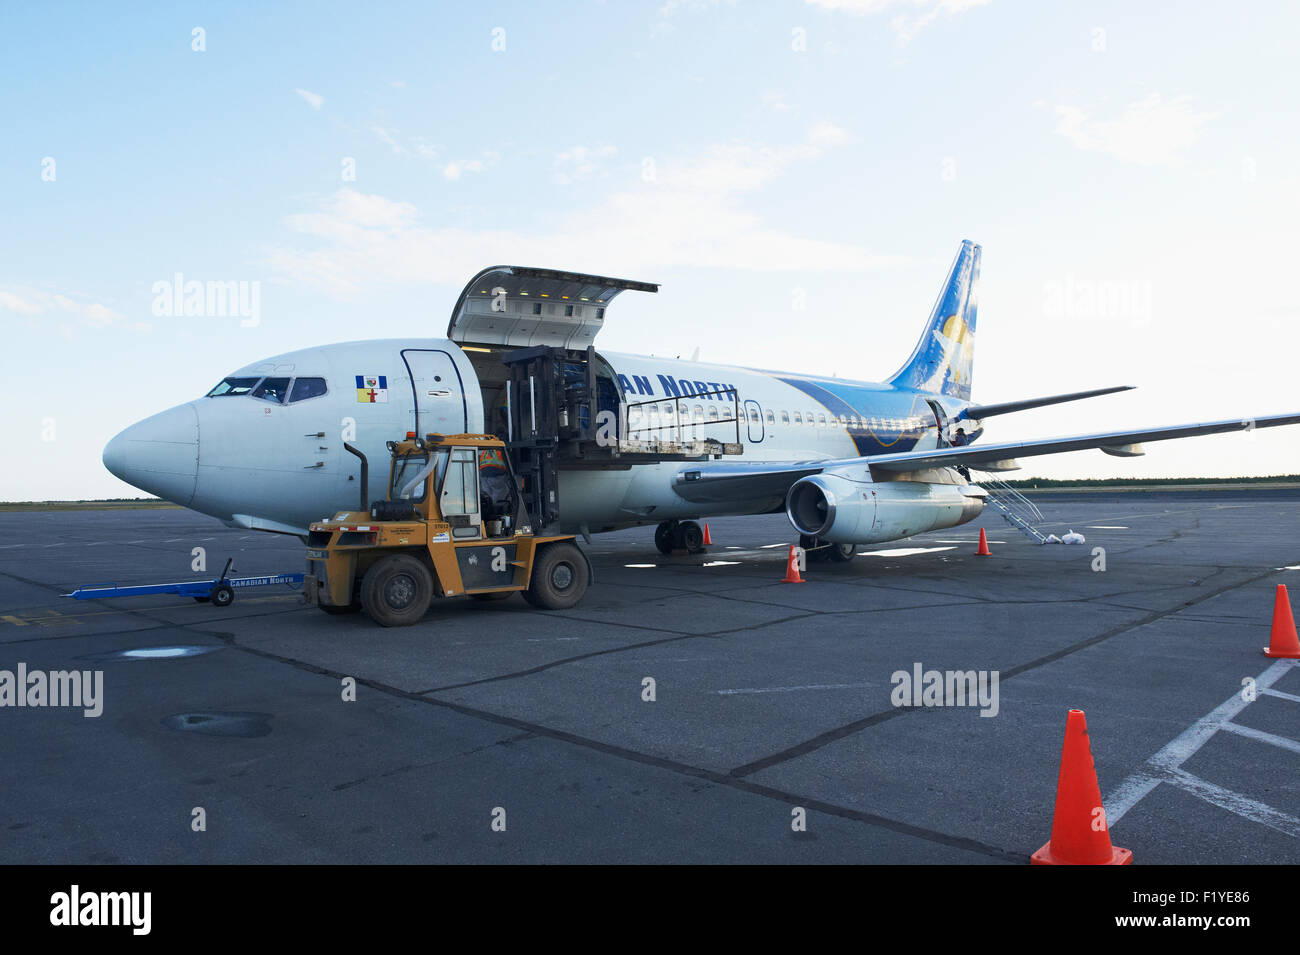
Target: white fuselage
[279, 466]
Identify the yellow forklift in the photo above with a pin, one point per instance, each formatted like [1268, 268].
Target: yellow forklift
[454, 522]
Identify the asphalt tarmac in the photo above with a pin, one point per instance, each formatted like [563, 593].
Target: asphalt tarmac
[495, 733]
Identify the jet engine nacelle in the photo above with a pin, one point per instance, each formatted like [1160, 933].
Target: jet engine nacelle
[841, 510]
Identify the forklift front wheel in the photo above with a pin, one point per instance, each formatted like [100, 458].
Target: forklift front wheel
[396, 591]
[223, 595]
[560, 577]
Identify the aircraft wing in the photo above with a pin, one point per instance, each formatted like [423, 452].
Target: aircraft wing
[707, 483]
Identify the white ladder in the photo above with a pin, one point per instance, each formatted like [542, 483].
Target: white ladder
[1018, 511]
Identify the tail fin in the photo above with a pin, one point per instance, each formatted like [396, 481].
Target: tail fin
[941, 362]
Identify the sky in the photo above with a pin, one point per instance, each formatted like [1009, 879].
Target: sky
[797, 176]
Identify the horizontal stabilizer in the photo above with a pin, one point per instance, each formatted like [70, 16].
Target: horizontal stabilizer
[976, 412]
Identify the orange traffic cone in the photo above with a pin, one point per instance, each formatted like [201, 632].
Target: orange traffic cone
[1283, 641]
[983, 549]
[1080, 834]
[792, 569]
[708, 541]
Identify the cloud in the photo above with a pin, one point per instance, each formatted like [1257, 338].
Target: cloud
[914, 15]
[313, 100]
[579, 162]
[674, 212]
[384, 136]
[1150, 131]
[776, 102]
[453, 170]
[36, 304]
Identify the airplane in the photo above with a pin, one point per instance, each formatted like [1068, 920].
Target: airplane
[607, 441]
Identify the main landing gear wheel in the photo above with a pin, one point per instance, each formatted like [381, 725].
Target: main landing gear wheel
[841, 553]
[819, 550]
[691, 536]
[560, 577]
[664, 535]
[396, 591]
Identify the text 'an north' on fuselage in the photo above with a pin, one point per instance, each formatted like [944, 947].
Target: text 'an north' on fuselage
[604, 440]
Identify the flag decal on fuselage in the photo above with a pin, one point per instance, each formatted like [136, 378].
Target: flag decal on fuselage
[372, 389]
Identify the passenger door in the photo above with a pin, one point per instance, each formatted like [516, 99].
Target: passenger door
[754, 415]
[439, 393]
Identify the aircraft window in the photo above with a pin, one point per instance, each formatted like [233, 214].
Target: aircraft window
[812, 422]
[304, 388]
[753, 416]
[699, 413]
[821, 421]
[713, 414]
[785, 417]
[771, 418]
[233, 386]
[798, 419]
[272, 389]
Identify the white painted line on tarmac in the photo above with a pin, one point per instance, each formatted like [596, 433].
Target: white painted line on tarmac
[902, 551]
[1251, 733]
[1236, 803]
[794, 689]
[719, 563]
[1165, 766]
[1280, 695]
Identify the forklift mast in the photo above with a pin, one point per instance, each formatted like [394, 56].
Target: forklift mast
[553, 412]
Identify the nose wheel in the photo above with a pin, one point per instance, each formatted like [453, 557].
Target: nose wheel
[679, 535]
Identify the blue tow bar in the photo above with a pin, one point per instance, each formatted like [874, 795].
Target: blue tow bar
[221, 592]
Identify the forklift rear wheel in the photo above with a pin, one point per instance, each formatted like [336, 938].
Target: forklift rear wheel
[222, 596]
[560, 577]
[396, 591]
[691, 536]
[664, 535]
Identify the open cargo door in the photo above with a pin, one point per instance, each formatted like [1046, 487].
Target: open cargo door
[519, 307]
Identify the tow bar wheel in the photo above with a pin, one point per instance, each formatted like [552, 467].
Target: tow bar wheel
[560, 577]
[396, 591]
[223, 595]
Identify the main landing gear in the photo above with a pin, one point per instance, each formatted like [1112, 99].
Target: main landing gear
[679, 535]
[819, 550]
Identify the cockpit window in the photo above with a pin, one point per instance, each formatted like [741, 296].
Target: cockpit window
[272, 389]
[233, 386]
[304, 388]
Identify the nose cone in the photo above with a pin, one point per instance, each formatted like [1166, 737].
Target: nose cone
[159, 455]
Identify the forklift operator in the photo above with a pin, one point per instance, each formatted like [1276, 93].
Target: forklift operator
[494, 484]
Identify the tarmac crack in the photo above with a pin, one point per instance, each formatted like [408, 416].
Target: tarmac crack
[830, 736]
[646, 759]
